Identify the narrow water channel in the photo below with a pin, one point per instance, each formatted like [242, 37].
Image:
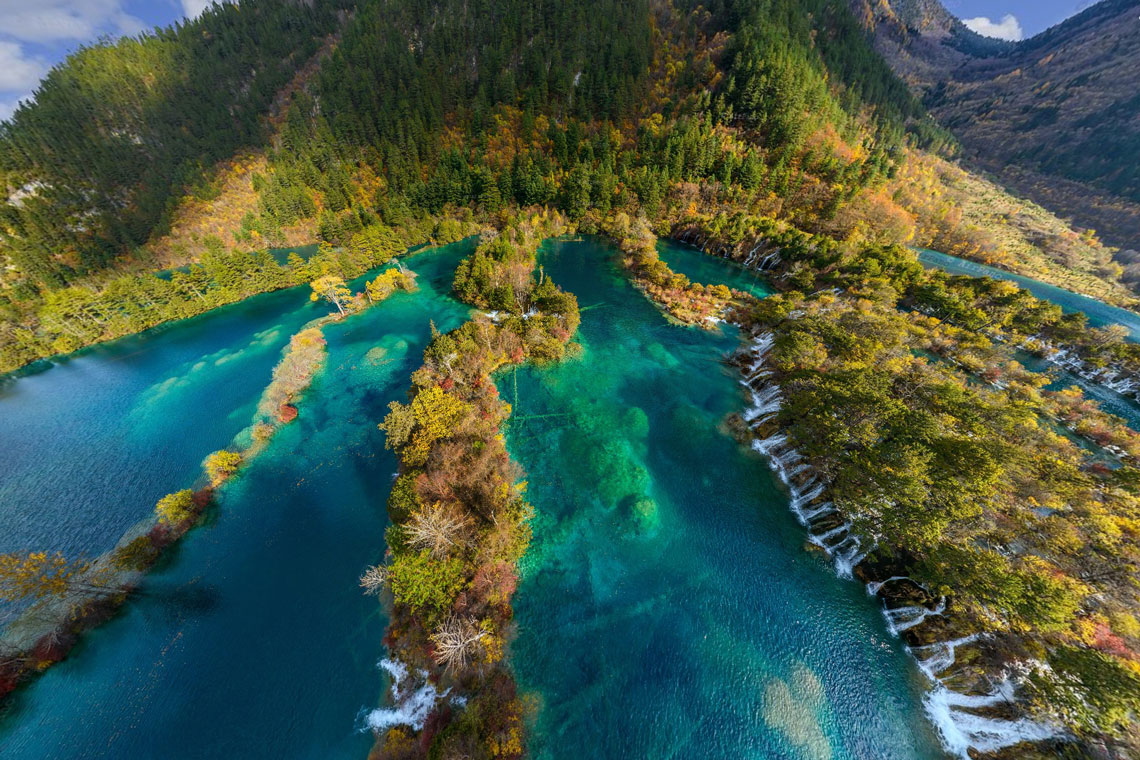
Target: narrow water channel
[1098, 312]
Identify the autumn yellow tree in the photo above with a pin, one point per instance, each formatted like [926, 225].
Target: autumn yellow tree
[221, 465]
[385, 283]
[36, 575]
[432, 415]
[175, 507]
[332, 289]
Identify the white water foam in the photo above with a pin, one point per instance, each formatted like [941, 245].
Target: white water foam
[901, 619]
[413, 704]
[960, 730]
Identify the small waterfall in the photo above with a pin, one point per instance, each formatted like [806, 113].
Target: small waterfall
[764, 403]
[846, 561]
[962, 731]
[940, 656]
[771, 259]
[413, 704]
[789, 465]
[821, 539]
[874, 586]
[819, 510]
[900, 619]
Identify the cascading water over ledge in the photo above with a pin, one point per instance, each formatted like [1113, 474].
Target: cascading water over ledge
[841, 543]
[953, 713]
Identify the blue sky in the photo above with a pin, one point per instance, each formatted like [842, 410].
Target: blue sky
[36, 34]
[1013, 19]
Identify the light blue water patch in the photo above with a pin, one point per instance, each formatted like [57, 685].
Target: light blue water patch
[668, 607]
[94, 441]
[1099, 313]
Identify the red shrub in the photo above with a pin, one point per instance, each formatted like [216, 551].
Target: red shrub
[286, 413]
[436, 721]
[496, 582]
[1107, 641]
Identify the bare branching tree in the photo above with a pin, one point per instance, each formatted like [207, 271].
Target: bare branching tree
[439, 527]
[374, 579]
[456, 642]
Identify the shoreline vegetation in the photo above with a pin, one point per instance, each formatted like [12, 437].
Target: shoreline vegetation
[995, 308]
[459, 519]
[1004, 554]
[682, 301]
[136, 303]
[65, 597]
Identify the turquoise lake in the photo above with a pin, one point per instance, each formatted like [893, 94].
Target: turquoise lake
[709, 270]
[251, 639]
[668, 605]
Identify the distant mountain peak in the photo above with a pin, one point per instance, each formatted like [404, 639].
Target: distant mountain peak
[1055, 116]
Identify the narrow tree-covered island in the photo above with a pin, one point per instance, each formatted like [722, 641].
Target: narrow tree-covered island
[439, 380]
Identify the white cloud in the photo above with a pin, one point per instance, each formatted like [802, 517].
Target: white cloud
[193, 7]
[7, 108]
[54, 20]
[1009, 28]
[17, 70]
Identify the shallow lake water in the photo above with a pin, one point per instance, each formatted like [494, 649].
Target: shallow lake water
[668, 607]
[251, 639]
[709, 270]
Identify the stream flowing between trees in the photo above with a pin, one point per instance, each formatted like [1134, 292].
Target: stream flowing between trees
[1098, 312]
[667, 607]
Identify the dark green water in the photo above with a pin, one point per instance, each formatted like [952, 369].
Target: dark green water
[711, 270]
[252, 639]
[668, 607]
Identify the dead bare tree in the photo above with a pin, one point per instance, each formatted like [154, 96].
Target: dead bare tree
[374, 579]
[456, 642]
[439, 527]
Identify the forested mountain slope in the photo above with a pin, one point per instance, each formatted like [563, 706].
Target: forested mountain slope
[746, 125]
[1056, 116]
[117, 134]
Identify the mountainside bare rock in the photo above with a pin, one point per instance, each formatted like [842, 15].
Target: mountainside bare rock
[1055, 117]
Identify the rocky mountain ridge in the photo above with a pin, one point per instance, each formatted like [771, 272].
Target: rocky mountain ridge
[1055, 117]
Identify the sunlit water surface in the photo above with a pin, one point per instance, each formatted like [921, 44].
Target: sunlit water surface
[668, 607]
